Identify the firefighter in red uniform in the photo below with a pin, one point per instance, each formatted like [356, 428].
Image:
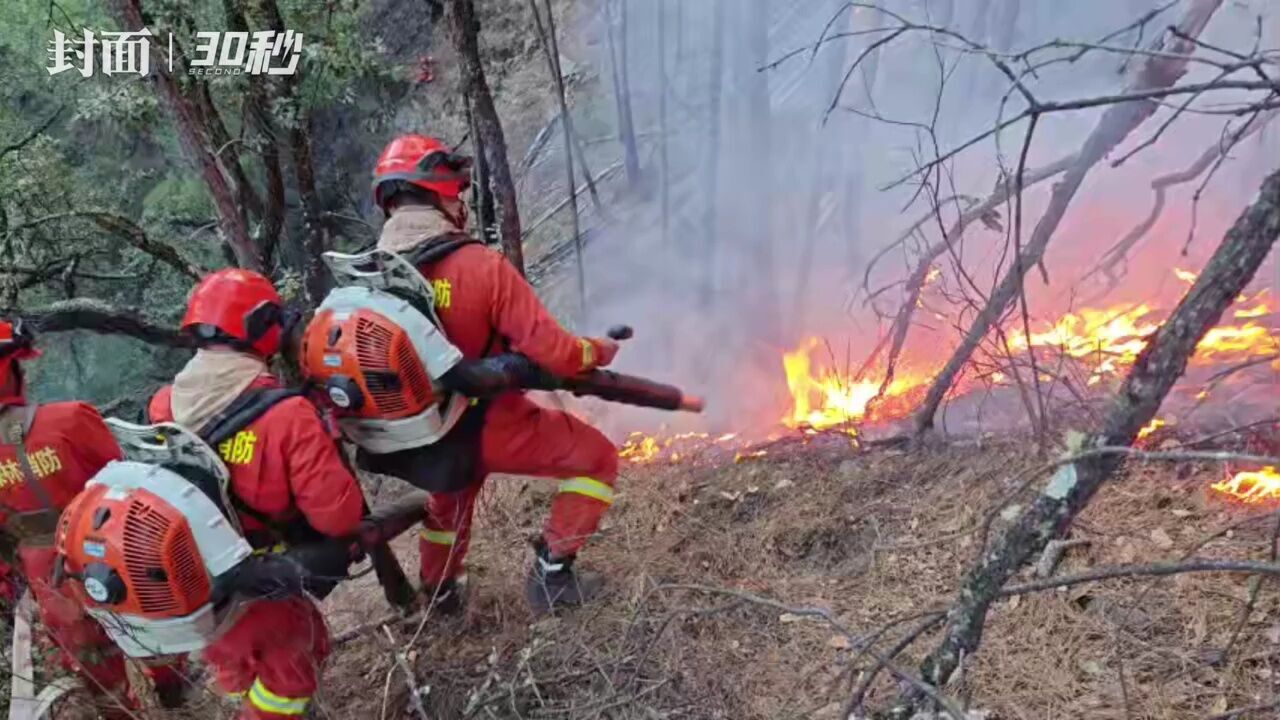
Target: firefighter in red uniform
[486, 307]
[47, 453]
[288, 484]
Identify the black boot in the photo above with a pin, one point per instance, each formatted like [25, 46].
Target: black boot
[449, 598]
[553, 584]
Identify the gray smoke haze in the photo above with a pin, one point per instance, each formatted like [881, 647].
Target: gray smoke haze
[774, 206]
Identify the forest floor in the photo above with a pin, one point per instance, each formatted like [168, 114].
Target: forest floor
[869, 536]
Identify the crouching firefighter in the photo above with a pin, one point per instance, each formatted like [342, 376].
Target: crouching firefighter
[485, 307]
[47, 453]
[288, 485]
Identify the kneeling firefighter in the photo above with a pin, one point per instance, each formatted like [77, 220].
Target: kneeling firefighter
[288, 484]
[485, 308]
[47, 453]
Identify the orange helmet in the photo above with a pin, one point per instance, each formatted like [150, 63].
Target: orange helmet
[239, 308]
[17, 342]
[424, 162]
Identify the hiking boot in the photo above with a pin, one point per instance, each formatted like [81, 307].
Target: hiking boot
[448, 598]
[553, 583]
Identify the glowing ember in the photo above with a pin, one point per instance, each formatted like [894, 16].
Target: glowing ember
[1252, 486]
[1154, 425]
[1185, 276]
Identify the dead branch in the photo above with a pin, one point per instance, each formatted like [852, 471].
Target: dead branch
[35, 133]
[1053, 553]
[916, 281]
[129, 231]
[1154, 372]
[1153, 570]
[1160, 187]
[415, 694]
[99, 317]
[1113, 127]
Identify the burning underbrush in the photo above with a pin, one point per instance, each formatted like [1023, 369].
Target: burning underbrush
[719, 572]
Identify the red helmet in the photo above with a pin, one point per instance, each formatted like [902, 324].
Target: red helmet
[16, 343]
[239, 308]
[422, 161]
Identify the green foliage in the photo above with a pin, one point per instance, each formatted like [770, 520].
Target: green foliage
[178, 196]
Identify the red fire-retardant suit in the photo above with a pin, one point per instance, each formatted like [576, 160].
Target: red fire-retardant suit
[66, 445]
[486, 307]
[285, 466]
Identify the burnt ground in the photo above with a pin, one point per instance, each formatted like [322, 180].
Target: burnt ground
[870, 538]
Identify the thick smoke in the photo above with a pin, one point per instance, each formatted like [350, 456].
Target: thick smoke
[776, 190]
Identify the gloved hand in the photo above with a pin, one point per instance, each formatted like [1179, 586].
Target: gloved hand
[606, 350]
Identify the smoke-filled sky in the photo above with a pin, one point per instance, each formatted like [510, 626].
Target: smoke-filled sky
[776, 206]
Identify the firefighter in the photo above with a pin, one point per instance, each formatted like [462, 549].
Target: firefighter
[288, 484]
[47, 453]
[487, 307]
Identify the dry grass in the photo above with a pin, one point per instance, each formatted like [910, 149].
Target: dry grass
[871, 538]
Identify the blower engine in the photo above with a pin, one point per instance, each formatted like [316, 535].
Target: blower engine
[376, 347]
[155, 553]
[149, 545]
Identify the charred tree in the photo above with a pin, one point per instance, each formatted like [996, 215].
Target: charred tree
[1159, 70]
[464, 33]
[1157, 368]
[196, 143]
[486, 217]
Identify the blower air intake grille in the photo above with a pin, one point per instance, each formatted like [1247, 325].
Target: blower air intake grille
[392, 372]
[150, 538]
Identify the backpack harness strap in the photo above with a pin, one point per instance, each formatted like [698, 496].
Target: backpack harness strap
[251, 405]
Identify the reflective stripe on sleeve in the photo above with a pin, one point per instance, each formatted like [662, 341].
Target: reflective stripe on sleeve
[438, 537]
[588, 353]
[589, 487]
[263, 699]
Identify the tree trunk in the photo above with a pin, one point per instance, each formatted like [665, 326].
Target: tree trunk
[1157, 71]
[547, 34]
[617, 36]
[1155, 371]
[464, 32]
[315, 276]
[486, 217]
[663, 161]
[195, 142]
[710, 200]
[761, 308]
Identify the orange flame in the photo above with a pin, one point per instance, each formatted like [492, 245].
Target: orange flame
[1105, 341]
[1154, 425]
[1252, 486]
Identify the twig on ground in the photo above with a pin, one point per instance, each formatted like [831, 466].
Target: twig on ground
[1053, 553]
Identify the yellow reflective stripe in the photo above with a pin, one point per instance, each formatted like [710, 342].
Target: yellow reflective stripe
[439, 537]
[238, 695]
[273, 550]
[589, 487]
[588, 353]
[264, 699]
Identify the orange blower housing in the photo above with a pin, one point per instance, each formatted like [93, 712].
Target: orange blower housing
[133, 553]
[368, 365]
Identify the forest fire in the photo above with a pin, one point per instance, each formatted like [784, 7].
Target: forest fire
[1252, 486]
[1099, 342]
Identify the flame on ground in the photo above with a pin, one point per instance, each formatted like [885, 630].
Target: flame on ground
[1154, 425]
[1252, 486]
[1104, 342]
